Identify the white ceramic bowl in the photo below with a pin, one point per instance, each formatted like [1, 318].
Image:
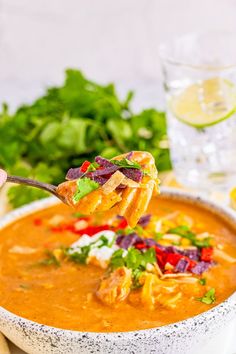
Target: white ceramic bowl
[188, 336]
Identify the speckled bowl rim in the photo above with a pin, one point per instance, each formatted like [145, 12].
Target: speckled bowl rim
[214, 314]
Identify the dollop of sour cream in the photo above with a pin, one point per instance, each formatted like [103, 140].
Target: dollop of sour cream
[101, 247]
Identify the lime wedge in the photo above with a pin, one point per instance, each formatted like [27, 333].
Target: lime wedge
[205, 103]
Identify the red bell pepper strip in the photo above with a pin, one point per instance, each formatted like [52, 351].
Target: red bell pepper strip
[37, 222]
[173, 258]
[207, 254]
[85, 166]
[91, 230]
[140, 246]
[122, 225]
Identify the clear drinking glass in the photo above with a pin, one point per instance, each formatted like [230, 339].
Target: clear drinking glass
[199, 72]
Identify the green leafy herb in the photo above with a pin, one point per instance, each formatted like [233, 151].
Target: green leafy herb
[92, 167]
[117, 259]
[84, 187]
[209, 297]
[69, 124]
[202, 281]
[50, 260]
[24, 286]
[78, 257]
[185, 232]
[134, 258]
[136, 274]
[125, 163]
[158, 236]
[78, 215]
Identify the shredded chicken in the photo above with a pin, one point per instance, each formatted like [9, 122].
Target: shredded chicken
[155, 290]
[116, 287]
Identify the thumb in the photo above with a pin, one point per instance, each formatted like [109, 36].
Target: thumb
[3, 177]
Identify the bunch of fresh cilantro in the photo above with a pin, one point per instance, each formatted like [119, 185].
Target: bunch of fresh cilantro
[71, 123]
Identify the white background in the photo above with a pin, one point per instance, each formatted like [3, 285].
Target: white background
[110, 40]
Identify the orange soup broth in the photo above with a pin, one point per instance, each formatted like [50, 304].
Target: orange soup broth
[63, 296]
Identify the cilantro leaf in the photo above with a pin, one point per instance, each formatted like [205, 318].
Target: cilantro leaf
[202, 281]
[185, 232]
[84, 187]
[125, 163]
[117, 259]
[134, 259]
[208, 298]
[92, 167]
[136, 274]
[78, 257]
[50, 260]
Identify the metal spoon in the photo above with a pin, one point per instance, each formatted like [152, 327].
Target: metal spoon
[4, 177]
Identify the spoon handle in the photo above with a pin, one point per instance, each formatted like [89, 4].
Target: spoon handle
[30, 182]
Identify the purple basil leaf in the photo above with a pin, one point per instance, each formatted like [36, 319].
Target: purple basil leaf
[132, 173]
[144, 220]
[74, 173]
[182, 265]
[201, 267]
[103, 162]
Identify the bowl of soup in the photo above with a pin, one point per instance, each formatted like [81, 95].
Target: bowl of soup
[77, 284]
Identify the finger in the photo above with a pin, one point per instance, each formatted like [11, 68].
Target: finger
[3, 177]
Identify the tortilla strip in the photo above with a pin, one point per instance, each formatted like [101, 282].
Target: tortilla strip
[175, 275]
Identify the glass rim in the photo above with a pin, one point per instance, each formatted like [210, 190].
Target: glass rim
[164, 56]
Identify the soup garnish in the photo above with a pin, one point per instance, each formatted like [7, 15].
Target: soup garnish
[126, 182]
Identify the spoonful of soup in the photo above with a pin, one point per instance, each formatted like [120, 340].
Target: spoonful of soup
[127, 182]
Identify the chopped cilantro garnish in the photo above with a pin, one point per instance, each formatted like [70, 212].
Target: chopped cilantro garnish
[209, 297]
[24, 286]
[134, 259]
[78, 215]
[117, 259]
[202, 281]
[136, 274]
[139, 230]
[92, 167]
[50, 260]
[78, 257]
[128, 230]
[185, 232]
[125, 163]
[158, 236]
[84, 187]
